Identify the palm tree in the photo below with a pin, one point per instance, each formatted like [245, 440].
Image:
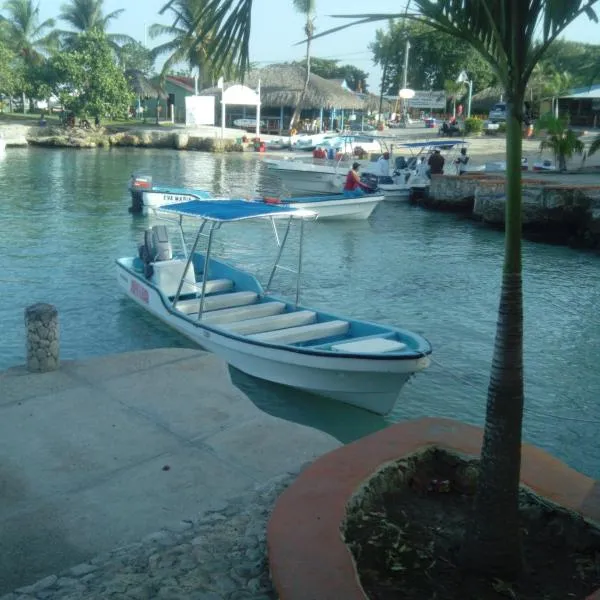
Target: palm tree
[561, 140]
[25, 35]
[512, 36]
[188, 41]
[23, 32]
[85, 15]
[307, 8]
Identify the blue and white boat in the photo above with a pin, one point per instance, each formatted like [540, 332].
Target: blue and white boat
[227, 311]
[146, 195]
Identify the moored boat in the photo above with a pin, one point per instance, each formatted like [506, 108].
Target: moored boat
[145, 195]
[227, 311]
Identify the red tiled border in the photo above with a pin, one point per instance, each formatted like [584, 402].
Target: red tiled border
[309, 560]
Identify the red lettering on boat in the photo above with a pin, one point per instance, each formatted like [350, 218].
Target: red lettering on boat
[139, 291]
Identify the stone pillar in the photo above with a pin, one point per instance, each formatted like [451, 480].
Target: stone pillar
[41, 321]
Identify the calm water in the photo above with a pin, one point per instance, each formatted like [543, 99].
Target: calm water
[65, 220]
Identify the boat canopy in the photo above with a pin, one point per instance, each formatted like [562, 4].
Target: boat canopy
[433, 144]
[234, 209]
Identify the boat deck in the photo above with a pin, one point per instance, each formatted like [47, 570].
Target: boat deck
[265, 319]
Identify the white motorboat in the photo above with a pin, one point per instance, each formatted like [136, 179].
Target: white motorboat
[146, 196]
[309, 141]
[332, 206]
[226, 310]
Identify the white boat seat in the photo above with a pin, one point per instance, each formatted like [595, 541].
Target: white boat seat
[369, 346]
[242, 313]
[304, 333]
[192, 305]
[214, 286]
[272, 323]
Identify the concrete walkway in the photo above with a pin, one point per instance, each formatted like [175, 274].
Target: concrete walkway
[103, 452]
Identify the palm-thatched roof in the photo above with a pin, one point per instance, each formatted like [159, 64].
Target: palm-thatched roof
[486, 98]
[281, 85]
[142, 86]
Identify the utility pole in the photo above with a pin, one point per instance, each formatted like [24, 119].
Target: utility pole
[405, 76]
[383, 74]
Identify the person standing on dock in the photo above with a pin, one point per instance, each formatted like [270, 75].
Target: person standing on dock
[436, 163]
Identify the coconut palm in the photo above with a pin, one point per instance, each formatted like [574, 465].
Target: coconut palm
[85, 15]
[23, 32]
[25, 35]
[189, 39]
[512, 36]
[562, 141]
[307, 8]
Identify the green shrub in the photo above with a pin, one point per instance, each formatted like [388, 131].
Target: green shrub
[473, 125]
[501, 127]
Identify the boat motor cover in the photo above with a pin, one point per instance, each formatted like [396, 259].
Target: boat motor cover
[146, 250]
[162, 246]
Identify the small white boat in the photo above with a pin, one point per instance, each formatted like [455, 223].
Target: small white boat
[227, 311]
[545, 165]
[332, 206]
[308, 142]
[146, 196]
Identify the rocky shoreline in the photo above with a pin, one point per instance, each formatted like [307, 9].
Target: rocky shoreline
[203, 140]
[220, 555]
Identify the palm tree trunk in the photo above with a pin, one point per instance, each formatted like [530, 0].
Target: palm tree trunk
[298, 109]
[492, 543]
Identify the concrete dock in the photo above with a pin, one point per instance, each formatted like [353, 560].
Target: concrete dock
[103, 452]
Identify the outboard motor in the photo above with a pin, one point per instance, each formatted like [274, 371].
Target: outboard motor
[137, 185]
[370, 179]
[160, 241]
[147, 253]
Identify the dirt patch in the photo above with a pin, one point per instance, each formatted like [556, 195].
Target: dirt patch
[405, 527]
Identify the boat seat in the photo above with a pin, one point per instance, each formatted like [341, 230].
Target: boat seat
[272, 323]
[214, 286]
[242, 313]
[304, 333]
[192, 305]
[369, 346]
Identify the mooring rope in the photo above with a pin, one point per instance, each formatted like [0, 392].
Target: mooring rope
[527, 410]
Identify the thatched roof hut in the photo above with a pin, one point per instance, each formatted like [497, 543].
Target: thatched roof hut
[281, 85]
[486, 98]
[142, 86]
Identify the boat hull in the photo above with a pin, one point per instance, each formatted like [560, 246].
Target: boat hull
[357, 209]
[369, 383]
[311, 182]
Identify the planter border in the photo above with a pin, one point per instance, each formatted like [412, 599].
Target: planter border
[307, 556]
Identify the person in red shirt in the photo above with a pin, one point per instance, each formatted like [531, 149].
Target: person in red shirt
[354, 186]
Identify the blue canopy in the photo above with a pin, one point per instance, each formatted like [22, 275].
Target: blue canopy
[433, 144]
[235, 209]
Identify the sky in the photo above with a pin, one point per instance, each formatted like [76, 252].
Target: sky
[276, 27]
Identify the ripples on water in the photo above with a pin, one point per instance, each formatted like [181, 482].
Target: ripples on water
[65, 220]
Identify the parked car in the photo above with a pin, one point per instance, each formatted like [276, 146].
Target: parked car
[498, 113]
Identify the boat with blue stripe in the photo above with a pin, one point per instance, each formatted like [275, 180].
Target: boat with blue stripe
[226, 310]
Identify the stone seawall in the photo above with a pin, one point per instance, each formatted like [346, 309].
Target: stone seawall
[105, 137]
[558, 213]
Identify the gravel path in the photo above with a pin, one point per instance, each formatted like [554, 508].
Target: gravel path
[220, 555]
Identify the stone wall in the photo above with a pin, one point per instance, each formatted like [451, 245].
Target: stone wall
[555, 213]
[559, 213]
[451, 192]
